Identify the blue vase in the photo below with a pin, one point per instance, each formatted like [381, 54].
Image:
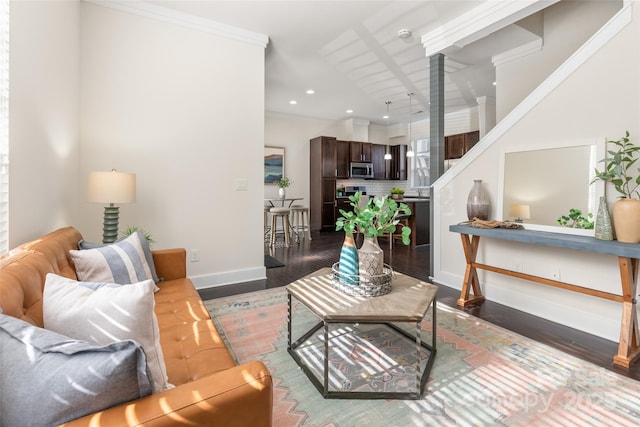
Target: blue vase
[348, 265]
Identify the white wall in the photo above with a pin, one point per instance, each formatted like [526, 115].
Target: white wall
[516, 79]
[294, 132]
[183, 109]
[600, 99]
[43, 114]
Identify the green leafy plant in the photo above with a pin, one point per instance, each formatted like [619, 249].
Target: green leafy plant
[618, 168]
[396, 190]
[576, 220]
[376, 217]
[132, 229]
[283, 182]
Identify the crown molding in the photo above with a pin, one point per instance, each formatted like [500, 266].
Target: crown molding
[479, 22]
[186, 20]
[518, 52]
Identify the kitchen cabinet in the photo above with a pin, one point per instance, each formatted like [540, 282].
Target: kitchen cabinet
[322, 182]
[342, 159]
[360, 151]
[398, 163]
[377, 159]
[420, 222]
[342, 203]
[456, 146]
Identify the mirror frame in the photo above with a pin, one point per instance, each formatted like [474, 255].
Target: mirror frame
[600, 150]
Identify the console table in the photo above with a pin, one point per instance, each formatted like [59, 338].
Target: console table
[628, 255]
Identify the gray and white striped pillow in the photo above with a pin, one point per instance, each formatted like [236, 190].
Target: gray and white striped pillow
[122, 262]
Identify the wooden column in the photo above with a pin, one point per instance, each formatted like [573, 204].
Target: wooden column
[436, 133]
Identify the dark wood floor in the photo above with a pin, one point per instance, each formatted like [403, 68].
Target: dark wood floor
[309, 256]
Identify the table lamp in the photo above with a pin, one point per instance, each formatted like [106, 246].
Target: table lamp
[111, 187]
[519, 212]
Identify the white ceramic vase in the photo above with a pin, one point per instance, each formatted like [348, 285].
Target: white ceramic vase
[281, 192]
[371, 257]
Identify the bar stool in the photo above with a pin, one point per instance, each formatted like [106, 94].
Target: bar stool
[267, 227]
[300, 221]
[282, 213]
[403, 221]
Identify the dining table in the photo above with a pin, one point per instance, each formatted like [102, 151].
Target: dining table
[282, 201]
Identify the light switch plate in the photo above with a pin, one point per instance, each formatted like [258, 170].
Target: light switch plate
[242, 184]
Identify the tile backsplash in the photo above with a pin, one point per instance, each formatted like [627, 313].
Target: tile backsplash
[376, 187]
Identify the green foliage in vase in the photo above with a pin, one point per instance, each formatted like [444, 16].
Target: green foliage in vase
[618, 168]
[283, 182]
[396, 190]
[576, 220]
[132, 229]
[377, 217]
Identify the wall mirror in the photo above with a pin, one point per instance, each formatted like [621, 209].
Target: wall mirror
[550, 179]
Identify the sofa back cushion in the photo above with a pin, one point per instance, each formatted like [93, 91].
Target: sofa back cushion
[49, 378]
[23, 271]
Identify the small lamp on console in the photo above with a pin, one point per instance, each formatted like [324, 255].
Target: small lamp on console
[519, 212]
[111, 187]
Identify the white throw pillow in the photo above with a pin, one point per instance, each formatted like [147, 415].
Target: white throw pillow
[103, 313]
[122, 262]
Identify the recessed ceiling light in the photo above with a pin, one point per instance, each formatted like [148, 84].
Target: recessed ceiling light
[494, 83]
[311, 92]
[293, 102]
[385, 116]
[349, 111]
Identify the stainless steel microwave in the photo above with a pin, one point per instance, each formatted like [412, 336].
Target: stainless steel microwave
[361, 170]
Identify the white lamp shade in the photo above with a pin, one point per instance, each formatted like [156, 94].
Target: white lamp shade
[520, 211]
[111, 187]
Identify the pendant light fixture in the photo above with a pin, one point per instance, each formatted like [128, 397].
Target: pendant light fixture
[387, 155]
[410, 149]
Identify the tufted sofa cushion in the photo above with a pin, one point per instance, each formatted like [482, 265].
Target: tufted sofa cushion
[24, 270]
[191, 344]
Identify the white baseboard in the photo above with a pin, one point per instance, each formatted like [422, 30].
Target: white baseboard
[553, 306]
[228, 277]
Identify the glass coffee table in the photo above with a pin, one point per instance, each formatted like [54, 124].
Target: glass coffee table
[370, 344]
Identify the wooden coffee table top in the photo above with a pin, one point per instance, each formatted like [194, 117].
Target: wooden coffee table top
[408, 300]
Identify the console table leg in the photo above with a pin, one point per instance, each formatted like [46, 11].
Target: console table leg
[628, 349]
[471, 281]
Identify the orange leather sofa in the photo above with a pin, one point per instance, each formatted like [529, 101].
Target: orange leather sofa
[211, 390]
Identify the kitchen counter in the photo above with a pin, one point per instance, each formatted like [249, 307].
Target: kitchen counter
[413, 199]
[419, 220]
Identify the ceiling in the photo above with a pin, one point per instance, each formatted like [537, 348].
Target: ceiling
[350, 54]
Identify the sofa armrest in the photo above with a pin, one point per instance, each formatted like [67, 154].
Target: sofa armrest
[239, 396]
[170, 263]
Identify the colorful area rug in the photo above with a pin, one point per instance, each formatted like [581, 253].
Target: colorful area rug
[483, 375]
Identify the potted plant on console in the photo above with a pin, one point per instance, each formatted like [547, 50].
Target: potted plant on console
[619, 170]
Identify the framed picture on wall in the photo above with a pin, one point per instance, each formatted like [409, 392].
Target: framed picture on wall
[273, 164]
